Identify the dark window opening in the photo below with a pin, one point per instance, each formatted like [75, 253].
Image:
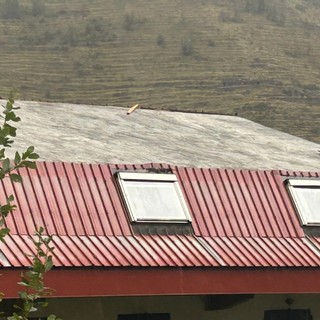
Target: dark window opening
[288, 314]
[145, 316]
[225, 301]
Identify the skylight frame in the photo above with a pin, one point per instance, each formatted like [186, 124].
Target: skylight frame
[303, 207]
[168, 181]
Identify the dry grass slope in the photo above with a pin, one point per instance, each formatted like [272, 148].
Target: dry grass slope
[258, 59]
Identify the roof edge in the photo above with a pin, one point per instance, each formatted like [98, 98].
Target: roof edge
[171, 281]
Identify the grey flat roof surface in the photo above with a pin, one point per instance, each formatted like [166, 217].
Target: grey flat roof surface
[106, 134]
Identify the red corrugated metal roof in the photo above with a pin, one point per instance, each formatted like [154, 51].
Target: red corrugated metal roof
[239, 203]
[240, 218]
[266, 252]
[110, 251]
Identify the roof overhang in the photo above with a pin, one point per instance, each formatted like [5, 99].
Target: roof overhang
[86, 282]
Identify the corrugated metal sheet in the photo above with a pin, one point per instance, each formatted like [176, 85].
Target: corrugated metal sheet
[239, 218]
[239, 203]
[265, 252]
[110, 251]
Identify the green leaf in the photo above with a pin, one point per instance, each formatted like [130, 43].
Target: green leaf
[15, 316]
[8, 143]
[4, 232]
[17, 158]
[16, 119]
[33, 156]
[2, 153]
[49, 264]
[6, 208]
[24, 284]
[9, 105]
[30, 149]
[6, 164]
[10, 198]
[29, 164]
[15, 177]
[10, 115]
[33, 309]
[16, 306]
[5, 130]
[12, 131]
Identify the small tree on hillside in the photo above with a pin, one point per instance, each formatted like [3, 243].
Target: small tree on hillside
[187, 48]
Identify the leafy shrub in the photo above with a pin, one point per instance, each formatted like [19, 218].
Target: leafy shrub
[69, 37]
[187, 48]
[131, 22]
[161, 41]
[95, 32]
[273, 10]
[211, 43]
[227, 17]
[276, 16]
[10, 9]
[38, 8]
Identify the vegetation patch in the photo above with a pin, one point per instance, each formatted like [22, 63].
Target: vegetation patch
[205, 56]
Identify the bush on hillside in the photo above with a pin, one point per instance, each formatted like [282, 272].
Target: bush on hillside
[131, 22]
[38, 8]
[161, 41]
[10, 9]
[187, 48]
[211, 43]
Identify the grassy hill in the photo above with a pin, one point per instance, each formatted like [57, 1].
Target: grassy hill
[258, 59]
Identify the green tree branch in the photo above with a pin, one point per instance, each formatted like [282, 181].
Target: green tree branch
[32, 280]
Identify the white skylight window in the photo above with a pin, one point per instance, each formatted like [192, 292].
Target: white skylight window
[153, 197]
[305, 194]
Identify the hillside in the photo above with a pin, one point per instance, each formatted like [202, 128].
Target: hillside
[254, 58]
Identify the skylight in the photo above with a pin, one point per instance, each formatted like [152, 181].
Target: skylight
[305, 194]
[153, 197]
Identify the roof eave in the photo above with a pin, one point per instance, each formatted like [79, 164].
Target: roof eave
[82, 282]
